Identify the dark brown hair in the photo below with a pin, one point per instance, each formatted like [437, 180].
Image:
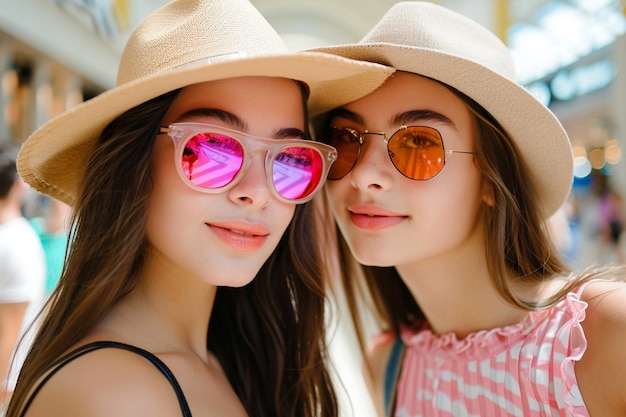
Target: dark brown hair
[269, 336]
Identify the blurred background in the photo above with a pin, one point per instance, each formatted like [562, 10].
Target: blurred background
[571, 54]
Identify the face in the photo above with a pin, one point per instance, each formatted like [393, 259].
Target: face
[223, 238]
[387, 218]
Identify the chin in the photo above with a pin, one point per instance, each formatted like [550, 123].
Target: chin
[233, 281]
[373, 259]
[239, 284]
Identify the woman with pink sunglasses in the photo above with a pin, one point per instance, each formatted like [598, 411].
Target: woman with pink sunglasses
[444, 182]
[194, 282]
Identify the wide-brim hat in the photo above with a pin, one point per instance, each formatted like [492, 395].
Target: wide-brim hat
[183, 43]
[430, 40]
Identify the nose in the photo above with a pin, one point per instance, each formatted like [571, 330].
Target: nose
[373, 170]
[253, 188]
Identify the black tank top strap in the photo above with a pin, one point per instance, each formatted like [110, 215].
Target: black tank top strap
[90, 347]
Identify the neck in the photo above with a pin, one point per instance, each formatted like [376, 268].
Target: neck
[457, 296]
[164, 312]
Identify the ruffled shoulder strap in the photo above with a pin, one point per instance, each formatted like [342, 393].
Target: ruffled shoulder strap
[67, 358]
[575, 346]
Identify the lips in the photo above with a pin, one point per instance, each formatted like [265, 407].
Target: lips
[240, 236]
[370, 217]
[240, 232]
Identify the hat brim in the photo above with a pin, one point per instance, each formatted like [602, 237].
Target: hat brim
[51, 159]
[537, 132]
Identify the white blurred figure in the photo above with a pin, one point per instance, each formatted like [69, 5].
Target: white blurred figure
[22, 273]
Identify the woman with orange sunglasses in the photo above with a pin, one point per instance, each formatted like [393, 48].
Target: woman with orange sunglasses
[444, 182]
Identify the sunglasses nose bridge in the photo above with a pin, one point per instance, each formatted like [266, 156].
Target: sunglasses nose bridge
[366, 132]
[265, 151]
[383, 134]
[371, 151]
[268, 149]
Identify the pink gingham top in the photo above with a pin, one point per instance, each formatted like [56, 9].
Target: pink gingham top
[525, 369]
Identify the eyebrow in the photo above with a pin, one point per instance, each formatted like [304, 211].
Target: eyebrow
[414, 116]
[403, 119]
[235, 122]
[210, 113]
[344, 113]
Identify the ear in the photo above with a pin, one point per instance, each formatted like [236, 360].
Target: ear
[487, 194]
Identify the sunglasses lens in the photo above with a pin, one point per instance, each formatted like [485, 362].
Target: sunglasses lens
[417, 152]
[348, 147]
[297, 172]
[212, 160]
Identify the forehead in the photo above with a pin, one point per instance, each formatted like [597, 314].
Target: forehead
[407, 92]
[247, 98]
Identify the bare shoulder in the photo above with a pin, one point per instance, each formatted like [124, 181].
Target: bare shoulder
[106, 382]
[606, 307]
[377, 356]
[605, 358]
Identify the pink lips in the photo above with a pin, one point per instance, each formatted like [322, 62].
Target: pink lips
[369, 217]
[241, 236]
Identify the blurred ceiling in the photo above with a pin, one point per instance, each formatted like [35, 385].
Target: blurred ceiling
[544, 35]
[88, 36]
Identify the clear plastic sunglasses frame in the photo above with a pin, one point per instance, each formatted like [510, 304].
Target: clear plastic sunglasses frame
[181, 133]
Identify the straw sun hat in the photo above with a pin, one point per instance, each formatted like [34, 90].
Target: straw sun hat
[435, 42]
[182, 43]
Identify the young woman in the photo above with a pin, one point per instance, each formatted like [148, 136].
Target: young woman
[444, 181]
[193, 282]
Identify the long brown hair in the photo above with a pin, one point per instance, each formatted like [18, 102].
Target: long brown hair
[268, 335]
[517, 243]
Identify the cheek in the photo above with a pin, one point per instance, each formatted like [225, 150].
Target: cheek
[465, 197]
[451, 200]
[162, 164]
[284, 213]
[166, 209]
[167, 200]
